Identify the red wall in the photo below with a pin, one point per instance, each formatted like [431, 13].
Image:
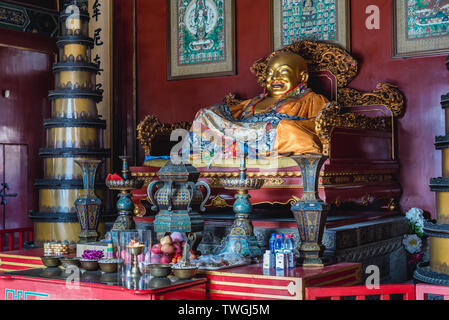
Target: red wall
[423, 81]
[179, 100]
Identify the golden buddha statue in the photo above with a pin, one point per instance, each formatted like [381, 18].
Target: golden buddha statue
[281, 120]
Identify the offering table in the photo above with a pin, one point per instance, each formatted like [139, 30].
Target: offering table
[244, 283]
[254, 283]
[55, 284]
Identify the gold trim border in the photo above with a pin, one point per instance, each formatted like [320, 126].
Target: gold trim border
[260, 286]
[256, 295]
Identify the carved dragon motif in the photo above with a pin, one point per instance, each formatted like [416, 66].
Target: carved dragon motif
[385, 94]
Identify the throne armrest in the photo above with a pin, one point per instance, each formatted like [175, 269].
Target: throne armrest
[362, 111]
[152, 128]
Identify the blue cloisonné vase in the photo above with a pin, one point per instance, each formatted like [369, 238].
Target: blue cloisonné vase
[88, 205]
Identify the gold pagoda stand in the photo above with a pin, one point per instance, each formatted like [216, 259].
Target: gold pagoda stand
[74, 132]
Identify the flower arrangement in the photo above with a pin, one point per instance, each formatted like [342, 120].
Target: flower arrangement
[93, 255]
[414, 242]
[416, 219]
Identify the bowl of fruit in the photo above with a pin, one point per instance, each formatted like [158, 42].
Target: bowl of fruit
[168, 250]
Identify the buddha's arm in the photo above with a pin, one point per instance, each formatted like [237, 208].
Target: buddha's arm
[297, 137]
[237, 110]
[315, 104]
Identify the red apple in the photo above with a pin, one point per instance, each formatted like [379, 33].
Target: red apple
[165, 259]
[156, 249]
[168, 249]
[178, 248]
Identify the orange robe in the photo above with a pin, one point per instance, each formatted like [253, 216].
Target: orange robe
[293, 136]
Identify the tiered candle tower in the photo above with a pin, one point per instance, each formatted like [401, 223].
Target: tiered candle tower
[74, 132]
[437, 272]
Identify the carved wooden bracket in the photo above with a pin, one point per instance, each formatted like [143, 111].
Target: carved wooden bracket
[151, 127]
[385, 94]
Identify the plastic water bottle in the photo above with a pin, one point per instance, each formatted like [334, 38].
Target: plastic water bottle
[280, 254]
[288, 249]
[272, 241]
[267, 260]
[272, 253]
[279, 244]
[294, 250]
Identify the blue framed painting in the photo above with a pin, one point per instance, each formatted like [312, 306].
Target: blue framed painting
[317, 20]
[421, 27]
[201, 38]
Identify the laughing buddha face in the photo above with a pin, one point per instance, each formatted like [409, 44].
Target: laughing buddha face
[285, 71]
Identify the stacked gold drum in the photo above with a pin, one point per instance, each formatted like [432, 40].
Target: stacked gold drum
[437, 272]
[74, 132]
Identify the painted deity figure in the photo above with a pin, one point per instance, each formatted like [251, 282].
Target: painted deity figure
[280, 121]
[201, 19]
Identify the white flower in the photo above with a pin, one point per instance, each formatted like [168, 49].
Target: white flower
[415, 216]
[412, 243]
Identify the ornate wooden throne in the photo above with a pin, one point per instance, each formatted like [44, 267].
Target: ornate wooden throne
[358, 134]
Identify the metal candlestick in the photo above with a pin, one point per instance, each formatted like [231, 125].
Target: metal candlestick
[241, 238]
[125, 204]
[135, 253]
[125, 166]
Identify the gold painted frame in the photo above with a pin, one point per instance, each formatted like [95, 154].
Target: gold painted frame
[343, 25]
[405, 48]
[202, 70]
